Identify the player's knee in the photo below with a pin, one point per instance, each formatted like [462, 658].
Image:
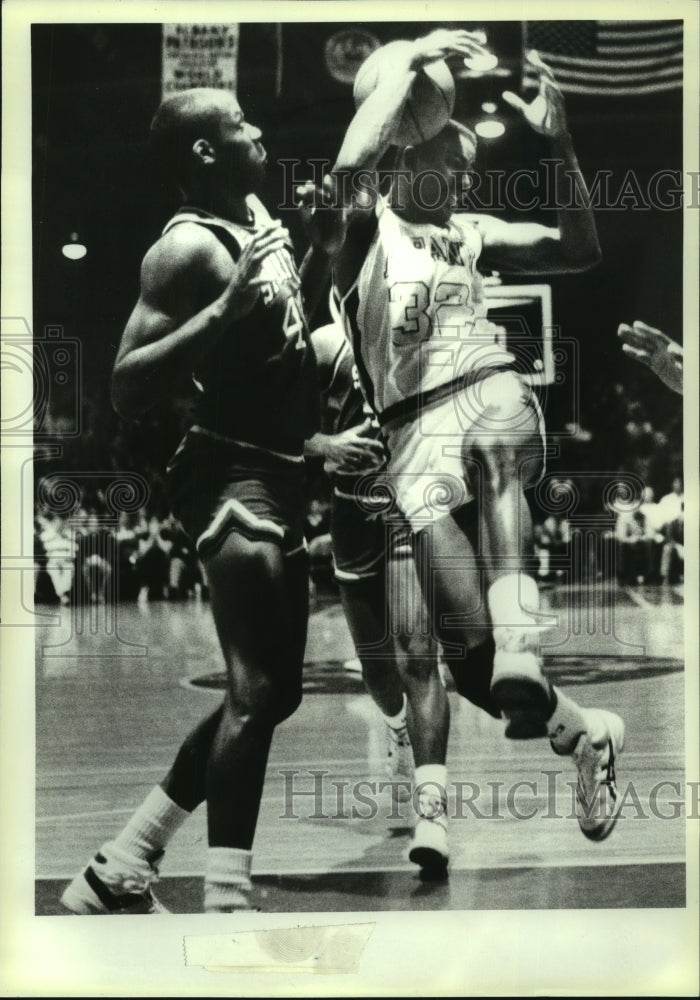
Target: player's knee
[239, 558]
[252, 698]
[277, 698]
[263, 700]
[417, 659]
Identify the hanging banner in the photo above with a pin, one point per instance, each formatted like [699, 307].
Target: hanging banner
[199, 55]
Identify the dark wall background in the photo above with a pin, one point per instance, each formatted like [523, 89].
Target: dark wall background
[95, 88]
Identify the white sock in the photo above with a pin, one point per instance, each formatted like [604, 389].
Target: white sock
[227, 884]
[431, 786]
[566, 724]
[514, 602]
[397, 721]
[152, 825]
[514, 599]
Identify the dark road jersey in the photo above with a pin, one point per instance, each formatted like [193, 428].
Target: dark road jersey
[258, 383]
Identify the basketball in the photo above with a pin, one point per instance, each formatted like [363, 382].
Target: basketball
[429, 104]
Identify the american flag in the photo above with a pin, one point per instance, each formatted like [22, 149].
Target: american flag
[608, 58]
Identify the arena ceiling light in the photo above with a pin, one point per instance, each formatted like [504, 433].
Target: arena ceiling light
[74, 249]
[485, 62]
[490, 128]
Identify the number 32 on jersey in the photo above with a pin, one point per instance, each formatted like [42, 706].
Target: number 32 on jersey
[414, 315]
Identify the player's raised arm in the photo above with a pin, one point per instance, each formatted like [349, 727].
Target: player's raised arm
[168, 330]
[373, 128]
[371, 132]
[326, 232]
[531, 248]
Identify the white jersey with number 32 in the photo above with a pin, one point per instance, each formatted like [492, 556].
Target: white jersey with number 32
[416, 315]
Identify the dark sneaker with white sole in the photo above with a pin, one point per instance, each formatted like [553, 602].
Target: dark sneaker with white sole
[114, 883]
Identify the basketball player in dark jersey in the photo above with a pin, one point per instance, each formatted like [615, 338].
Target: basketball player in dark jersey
[379, 591]
[220, 324]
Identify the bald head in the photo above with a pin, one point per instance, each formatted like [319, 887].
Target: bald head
[193, 110]
[201, 140]
[184, 118]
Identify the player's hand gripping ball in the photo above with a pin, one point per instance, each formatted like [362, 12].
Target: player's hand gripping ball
[429, 105]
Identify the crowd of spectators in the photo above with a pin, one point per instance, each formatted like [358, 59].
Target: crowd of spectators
[88, 557]
[146, 555]
[644, 542]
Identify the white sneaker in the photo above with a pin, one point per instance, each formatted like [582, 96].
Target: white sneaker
[114, 883]
[399, 763]
[594, 755]
[429, 847]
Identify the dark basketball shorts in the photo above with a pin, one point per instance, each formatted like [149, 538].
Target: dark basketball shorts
[362, 539]
[218, 486]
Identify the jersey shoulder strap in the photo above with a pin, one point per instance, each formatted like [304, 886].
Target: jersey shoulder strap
[231, 235]
[258, 208]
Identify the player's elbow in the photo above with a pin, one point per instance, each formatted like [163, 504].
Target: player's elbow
[576, 260]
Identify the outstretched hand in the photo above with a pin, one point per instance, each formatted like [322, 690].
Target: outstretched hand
[355, 449]
[321, 216]
[546, 113]
[246, 281]
[655, 350]
[444, 42]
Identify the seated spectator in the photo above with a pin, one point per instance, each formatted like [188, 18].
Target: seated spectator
[184, 573]
[95, 557]
[629, 534]
[641, 542]
[652, 539]
[671, 519]
[127, 548]
[152, 561]
[43, 588]
[552, 539]
[59, 544]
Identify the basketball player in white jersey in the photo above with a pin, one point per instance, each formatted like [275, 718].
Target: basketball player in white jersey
[464, 433]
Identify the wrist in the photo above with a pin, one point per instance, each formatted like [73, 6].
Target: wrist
[319, 446]
[416, 55]
[400, 54]
[225, 305]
